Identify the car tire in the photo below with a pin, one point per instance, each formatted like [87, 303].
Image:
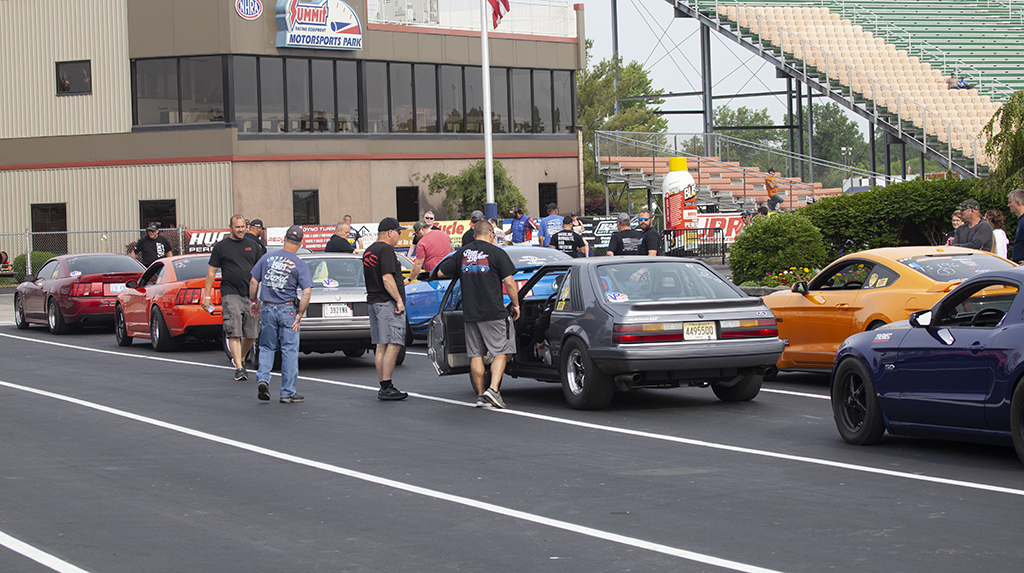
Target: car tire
[743, 391]
[19, 313]
[354, 352]
[584, 385]
[121, 328]
[401, 357]
[1017, 420]
[875, 325]
[253, 356]
[159, 336]
[855, 404]
[55, 320]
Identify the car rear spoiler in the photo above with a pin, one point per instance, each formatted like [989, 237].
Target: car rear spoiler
[944, 287]
[109, 277]
[684, 305]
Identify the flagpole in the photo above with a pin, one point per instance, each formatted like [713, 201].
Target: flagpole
[490, 207]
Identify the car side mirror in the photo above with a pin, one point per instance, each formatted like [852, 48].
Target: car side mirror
[800, 287]
[423, 276]
[921, 318]
[30, 278]
[131, 284]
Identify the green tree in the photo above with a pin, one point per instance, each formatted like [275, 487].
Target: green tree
[1005, 145]
[467, 191]
[725, 116]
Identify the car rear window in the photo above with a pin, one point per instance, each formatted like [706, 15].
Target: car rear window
[96, 264]
[191, 268]
[955, 267]
[523, 258]
[661, 281]
[330, 272]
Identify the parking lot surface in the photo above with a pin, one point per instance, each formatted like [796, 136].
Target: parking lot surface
[123, 459]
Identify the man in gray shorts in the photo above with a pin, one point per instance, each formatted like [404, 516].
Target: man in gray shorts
[483, 267]
[235, 255]
[385, 298]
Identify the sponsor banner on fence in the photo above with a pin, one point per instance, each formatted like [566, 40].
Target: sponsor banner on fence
[203, 240]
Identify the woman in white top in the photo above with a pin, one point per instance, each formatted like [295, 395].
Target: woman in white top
[999, 240]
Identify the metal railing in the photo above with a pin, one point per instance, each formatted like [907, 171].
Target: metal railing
[695, 243]
[536, 17]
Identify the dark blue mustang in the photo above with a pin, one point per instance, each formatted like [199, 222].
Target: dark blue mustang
[951, 372]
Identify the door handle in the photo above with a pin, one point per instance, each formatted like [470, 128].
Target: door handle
[976, 347]
[842, 306]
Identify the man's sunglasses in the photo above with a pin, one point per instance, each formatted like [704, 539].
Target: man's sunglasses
[643, 218]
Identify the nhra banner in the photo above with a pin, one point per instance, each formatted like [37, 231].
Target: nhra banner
[320, 24]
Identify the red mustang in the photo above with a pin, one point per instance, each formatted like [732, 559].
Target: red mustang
[73, 289]
[163, 305]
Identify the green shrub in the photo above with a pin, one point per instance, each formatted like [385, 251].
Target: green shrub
[39, 258]
[773, 244]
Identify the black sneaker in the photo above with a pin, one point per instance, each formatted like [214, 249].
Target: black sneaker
[293, 399]
[494, 398]
[482, 402]
[263, 391]
[391, 393]
[241, 374]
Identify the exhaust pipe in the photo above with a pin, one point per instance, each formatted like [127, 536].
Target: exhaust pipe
[624, 382]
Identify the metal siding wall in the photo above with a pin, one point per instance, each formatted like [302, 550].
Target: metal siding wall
[34, 36]
[107, 198]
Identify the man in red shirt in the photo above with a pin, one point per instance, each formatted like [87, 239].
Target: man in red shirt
[434, 245]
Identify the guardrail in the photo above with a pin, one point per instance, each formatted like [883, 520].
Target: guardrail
[695, 243]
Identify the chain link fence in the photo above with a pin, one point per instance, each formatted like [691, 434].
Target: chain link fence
[24, 253]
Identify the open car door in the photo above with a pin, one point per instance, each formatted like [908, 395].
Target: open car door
[446, 338]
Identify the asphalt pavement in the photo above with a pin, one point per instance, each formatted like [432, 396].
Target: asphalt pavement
[124, 459]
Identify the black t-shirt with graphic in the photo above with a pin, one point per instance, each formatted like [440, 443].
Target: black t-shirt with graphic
[482, 267]
[626, 242]
[569, 242]
[379, 259]
[651, 241]
[152, 249]
[235, 260]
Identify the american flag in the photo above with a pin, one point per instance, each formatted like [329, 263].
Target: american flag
[498, 9]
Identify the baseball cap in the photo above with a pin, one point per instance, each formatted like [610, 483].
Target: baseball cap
[622, 218]
[567, 220]
[516, 210]
[745, 213]
[418, 225]
[152, 226]
[389, 224]
[477, 215]
[970, 204]
[294, 233]
[256, 223]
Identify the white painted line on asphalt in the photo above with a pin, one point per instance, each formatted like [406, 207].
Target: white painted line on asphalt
[588, 425]
[37, 555]
[792, 393]
[414, 489]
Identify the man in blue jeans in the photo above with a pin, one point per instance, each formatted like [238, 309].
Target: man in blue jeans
[280, 311]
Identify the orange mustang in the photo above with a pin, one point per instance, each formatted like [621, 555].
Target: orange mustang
[863, 291]
[164, 305]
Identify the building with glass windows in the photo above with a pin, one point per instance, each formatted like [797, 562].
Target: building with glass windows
[115, 113]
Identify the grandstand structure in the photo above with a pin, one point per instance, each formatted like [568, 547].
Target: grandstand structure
[887, 61]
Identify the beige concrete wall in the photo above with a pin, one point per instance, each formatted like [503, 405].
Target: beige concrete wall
[34, 36]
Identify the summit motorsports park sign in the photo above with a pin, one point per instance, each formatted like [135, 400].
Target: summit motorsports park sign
[327, 24]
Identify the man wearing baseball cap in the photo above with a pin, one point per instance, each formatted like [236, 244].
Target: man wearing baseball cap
[385, 301]
[434, 245]
[256, 234]
[469, 236]
[626, 240]
[976, 232]
[153, 246]
[522, 227]
[280, 309]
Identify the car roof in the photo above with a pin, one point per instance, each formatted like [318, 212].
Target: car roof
[896, 253]
[594, 261]
[321, 254]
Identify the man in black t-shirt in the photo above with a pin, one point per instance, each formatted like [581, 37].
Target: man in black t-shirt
[339, 240]
[255, 234]
[470, 235]
[235, 256]
[568, 241]
[650, 243]
[625, 241]
[152, 246]
[483, 267]
[385, 300]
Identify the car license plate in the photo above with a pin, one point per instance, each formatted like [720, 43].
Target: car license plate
[699, 330]
[332, 310]
[116, 288]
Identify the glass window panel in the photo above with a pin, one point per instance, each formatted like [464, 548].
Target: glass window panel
[499, 100]
[563, 112]
[451, 98]
[541, 101]
[475, 100]
[401, 97]
[376, 97]
[246, 102]
[348, 96]
[298, 95]
[202, 89]
[74, 77]
[156, 90]
[306, 207]
[522, 107]
[426, 98]
[323, 96]
[272, 94]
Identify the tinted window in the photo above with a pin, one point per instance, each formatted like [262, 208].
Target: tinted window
[246, 108]
[74, 77]
[323, 95]
[426, 98]
[475, 99]
[981, 305]
[348, 96]
[202, 89]
[954, 267]
[499, 100]
[272, 94]
[298, 95]
[523, 258]
[376, 97]
[47, 271]
[401, 97]
[563, 120]
[336, 272]
[522, 105]
[451, 98]
[542, 101]
[191, 268]
[849, 275]
[93, 264]
[661, 281]
[156, 91]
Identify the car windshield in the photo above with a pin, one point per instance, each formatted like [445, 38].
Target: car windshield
[661, 281]
[534, 257]
[955, 267]
[191, 268]
[335, 272]
[96, 264]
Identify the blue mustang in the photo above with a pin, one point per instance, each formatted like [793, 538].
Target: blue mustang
[423, 299]
[952, 372]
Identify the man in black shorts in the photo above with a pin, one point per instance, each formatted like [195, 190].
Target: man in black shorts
[385, 301]
[626, 240]
[153, 246]
[483, 267]
[235, 255]
[568, 241]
